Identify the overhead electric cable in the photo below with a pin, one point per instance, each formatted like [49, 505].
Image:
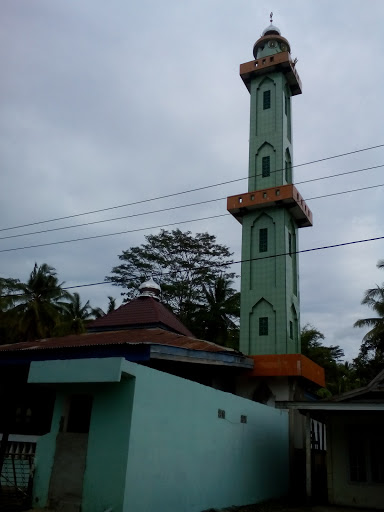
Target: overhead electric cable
[186, 206]
[109, 234]
[183, 192]
[165, 225]
[227, 264]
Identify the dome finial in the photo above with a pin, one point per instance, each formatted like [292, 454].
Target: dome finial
[271, 17]
[150, 289]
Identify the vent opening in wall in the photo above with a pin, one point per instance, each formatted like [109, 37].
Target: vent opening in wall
[221, 414]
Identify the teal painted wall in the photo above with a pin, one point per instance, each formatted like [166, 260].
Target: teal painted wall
[156, 442]
[270, 287]
[108, 443]
[45, 453]
[183, 458]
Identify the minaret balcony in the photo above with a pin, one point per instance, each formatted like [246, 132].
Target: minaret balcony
[278, 62]
[285, 196]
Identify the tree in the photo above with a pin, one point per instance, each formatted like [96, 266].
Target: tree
[98, 312]
[38, 303]
[8, 322]
[370, 360]
[215, 319]
[183, 264]
[338, 375]
[74, 315]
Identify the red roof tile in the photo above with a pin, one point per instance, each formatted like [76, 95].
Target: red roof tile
[130, 336]
[140, 312]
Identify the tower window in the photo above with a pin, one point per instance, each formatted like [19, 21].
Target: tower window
[263, 326]
[266, 166]
[291, 330]
[290, 244]
[263, 240]
[286, 105]
[287, 172]
[266, 100]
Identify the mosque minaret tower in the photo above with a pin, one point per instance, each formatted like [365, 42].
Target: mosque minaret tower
[272, 210]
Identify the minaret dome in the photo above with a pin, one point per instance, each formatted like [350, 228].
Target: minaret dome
[270, 43]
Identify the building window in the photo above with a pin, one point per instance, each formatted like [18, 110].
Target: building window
[291, 330]
[263, 326]
[290, 244]
[263, 240]
[266, 166]
[286, 105]
[266, 100]
[286, 172]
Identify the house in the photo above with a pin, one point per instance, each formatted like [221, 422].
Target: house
[355, 444]
[137, 415]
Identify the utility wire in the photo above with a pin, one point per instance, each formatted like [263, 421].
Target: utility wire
[184, 191]
[165, 225]
[109, 234]
[185, 206]
[227, 264]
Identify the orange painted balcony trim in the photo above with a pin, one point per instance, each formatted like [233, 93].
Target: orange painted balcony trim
[285, 196]
[278, 62]
[287, 365]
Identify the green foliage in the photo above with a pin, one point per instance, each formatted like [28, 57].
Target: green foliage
[73, 316]
[216, 319]
[185, 265]
[38, 303]
[339, 376]
[370, 360]
[39, 308]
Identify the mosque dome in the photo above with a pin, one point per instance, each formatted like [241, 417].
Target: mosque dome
[271, 30]
[150, 289]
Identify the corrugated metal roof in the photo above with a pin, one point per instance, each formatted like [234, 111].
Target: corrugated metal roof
[143, 312]
[129, 336]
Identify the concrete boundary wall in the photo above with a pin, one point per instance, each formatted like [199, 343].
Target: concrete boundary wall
[184, 458]
[156, 441]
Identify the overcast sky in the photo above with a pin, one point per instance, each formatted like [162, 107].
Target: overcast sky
[109, 103]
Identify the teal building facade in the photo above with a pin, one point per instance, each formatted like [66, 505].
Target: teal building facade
[272, 210]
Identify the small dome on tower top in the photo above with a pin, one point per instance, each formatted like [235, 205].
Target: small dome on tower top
[271, 30]
[150, 289]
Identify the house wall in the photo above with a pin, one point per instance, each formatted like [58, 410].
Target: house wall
[183, 457]
[156, 442]
[341, 490]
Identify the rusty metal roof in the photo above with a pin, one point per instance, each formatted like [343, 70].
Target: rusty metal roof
[140, 312]
[119, 337]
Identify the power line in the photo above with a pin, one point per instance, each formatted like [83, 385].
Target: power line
[227, 264]
[344, 192]
[185, 191]
[164, 225]
[185, 206]
[109, 234]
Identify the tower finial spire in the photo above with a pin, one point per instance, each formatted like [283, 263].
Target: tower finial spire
[271, 17]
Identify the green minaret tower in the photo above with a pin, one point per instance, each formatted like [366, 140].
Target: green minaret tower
[272, 210]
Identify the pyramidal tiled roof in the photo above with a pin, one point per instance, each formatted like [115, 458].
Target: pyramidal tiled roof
[141, 312]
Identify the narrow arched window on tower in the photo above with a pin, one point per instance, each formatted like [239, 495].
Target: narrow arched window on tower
[263, 240]
[265, 166]
[263, 326]
[266, 100]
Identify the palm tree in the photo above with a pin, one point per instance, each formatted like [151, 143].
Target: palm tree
[216, 319]
[374, 299]
[75, 315]
[8, 322]
[39, 303]
[371, 356]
